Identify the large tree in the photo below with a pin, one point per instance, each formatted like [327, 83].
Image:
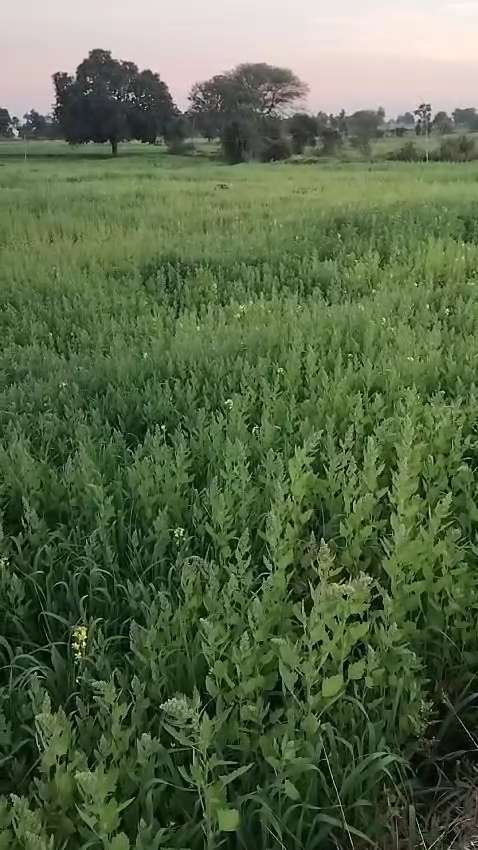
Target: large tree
[466, 119]
[303, 129]
[423, 117]
[6, 124]
[253, 89]
[35, 125]
[109, 100]
[407, 119]
[442, 123]
[366, 123]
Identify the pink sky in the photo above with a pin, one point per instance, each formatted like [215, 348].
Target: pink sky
[391, 53]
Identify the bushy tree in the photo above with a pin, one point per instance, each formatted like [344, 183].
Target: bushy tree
[339, 123]
[406, 120]
[211, 104]
[365, 124]
[423, 119]
[236, 106]
[108, 100]
[442, 123]
[456, 149]
[257, 90]
[35, 126]
[466, 119]
[239, 139]
[6, 124]
[322, 122]
[176, 134]
[304, 130]
[332, 141]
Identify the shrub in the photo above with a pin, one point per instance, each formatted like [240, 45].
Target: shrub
[303, 129]
[181, 148]
[455, 149]
[408, 152]
[274, 149]
[362, 144]
[332, 141]
[248, 137]
[238, 140]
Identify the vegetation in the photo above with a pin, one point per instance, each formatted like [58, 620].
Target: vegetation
[110, 101]
[247, 108]
[239, 504]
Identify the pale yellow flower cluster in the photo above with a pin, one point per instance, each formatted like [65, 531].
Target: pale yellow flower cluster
[78, 641]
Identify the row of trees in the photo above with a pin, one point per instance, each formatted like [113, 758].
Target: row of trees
[248, 108]
[32, 126]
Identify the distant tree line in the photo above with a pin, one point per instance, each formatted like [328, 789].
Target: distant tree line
[249, 109]
[33, 125]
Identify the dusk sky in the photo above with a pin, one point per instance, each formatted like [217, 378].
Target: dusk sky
[353, 54]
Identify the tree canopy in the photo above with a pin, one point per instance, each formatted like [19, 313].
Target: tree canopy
[466, 118]
[366, 123]
[6, 124]
[304, 130]
[110, 100]
[254, 89]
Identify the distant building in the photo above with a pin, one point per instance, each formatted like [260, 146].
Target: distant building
[399, 128]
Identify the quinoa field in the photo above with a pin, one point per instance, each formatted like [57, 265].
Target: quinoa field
[238, 502]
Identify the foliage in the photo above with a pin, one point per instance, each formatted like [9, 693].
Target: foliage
[409, 152]
[274, 148]
[456, 149]
[332, 141]
[442, 123]
[365, 124]
[239, 140]
[37, 126]
[110, 101]
[466, 119]
[362, 144]
[176, 135]
[250, 91]
[407, 119]
[238, 497]
[254, 137]
[6, 125]
[423, 119]
[304, 130]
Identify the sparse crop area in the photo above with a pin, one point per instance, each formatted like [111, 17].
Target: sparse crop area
[239, 502]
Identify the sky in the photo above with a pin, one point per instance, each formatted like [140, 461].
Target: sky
[353, 53]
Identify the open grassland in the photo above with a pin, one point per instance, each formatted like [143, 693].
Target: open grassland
[239, 497]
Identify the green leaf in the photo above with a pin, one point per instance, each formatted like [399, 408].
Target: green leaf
[235, 774]
[332, 686]
[357, 670]
[291, 791]
[119, 842]
[228, 820]
[357, 631]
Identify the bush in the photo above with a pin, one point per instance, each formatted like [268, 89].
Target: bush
[181, 148]
[457, 149]
[275, 149]
[247, 137]
[332, 142]
[362, 144]
[238, 140]
[407, 153]
[303, 129]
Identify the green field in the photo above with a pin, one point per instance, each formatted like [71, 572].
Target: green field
[239, 501]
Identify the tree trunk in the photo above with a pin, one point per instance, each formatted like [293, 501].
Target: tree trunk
[114, 147]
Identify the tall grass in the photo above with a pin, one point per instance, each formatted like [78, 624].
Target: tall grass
[238, 494]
